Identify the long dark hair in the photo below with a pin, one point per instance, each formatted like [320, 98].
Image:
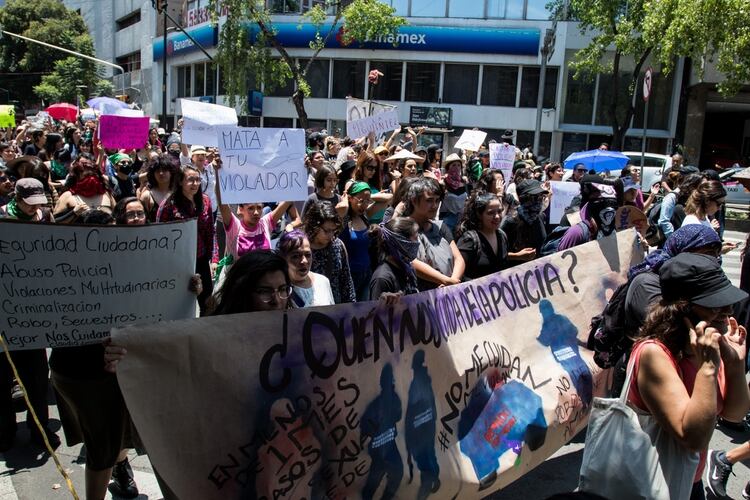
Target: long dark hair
[242, 279]
[473, 210]
[161, 161]
[364, 158]
[318, 213]
[689, 184]
[179, 197]
[119, 211]
[706, 192]
[665, 322]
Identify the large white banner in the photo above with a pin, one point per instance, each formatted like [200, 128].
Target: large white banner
[363, 117]
[200, 118]
[262, 164]
[66, 285]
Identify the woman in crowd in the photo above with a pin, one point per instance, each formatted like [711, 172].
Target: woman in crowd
[397, 247]
[703, 204]
[130, 211]
[52, 143]
[346, 171]
[439, 262]
[456, 191]
[333, 146]
[493, 181]
[325, 188]
[329, 256]
[308, 288]
[356, 239]
[73, 141]
[154, 143]
[187, 201]
[408, 169]
[483, 245]
[368, 170]
[554, 172]
[161, 173]
[689, 365]
[88, 189]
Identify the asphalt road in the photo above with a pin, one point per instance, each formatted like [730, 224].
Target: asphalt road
[26, 473]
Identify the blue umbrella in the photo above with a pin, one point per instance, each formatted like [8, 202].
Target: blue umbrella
[106, 104]
[599, 160]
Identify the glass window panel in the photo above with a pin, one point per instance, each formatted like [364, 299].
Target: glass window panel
[184, 74]
[422, 82]
[210, 79]
[317, 77]
[316, 125]
[284, 6]
[285, 90]
[505, 9]
[530, 87]
[659, 102]
[348, 79]
[222, 84]
[525, 138]
[572, 143]
[537, 10]
[462, 8]
[579, 101]
[460, 84]
[389, 85]
[249, 121]
[604, 98]
[271, 122]
[429, 8]
[499, 85]
[198, 80]
[401, 6]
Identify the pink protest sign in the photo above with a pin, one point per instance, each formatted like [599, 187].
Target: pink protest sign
[123, 132]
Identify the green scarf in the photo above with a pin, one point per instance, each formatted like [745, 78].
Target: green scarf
[59, 169]
[15, 212]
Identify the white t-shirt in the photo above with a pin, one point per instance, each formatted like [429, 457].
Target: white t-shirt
[319, 294]
[692, 219]
[208, 180]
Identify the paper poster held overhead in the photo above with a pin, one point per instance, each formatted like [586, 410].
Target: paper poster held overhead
[471, 140]
[123, 132]
[200, 120]
[261, 164]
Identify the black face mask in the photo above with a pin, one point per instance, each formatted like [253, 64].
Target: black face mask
[603, 211]
[174, 154]
[126, 169]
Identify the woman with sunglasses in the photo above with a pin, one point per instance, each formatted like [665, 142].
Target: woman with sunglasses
[88, 189]
[369, 170]
[161, 173]
[329, 256]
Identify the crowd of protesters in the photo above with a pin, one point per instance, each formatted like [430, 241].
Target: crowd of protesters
[381, 220]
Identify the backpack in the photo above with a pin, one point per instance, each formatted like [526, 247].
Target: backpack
[608, 334]
[552, 242]
[654, 235]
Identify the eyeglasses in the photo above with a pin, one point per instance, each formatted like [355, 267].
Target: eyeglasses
[720, 202]
[331, 232]
[266, 294]
[3, 178]
[193, 180]
[580, 170]
[371, 167]
[383, 154]
[135, 214]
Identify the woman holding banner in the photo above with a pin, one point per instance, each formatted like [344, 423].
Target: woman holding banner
[187, 201]
[483, 245]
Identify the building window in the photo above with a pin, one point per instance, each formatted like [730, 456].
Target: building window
[317, 77]
[130, 62]
[579, 101]
[389, 85]
[248, 121]
[284, 6]
[129, 20]
[526, 138]
[537, 10]
[401, 6]
[271, 122]
[285, 90]
[316, 125]
[505, 9]
[605, 95]
[461, 8]
[183, 81]
[499, 85]
[210, 79]
[530, 87]
[348, 79]
[460, 83]
[422, 82]
[659, 103]
[428, 8]
[199, 83]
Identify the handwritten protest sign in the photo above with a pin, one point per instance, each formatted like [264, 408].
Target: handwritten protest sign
[387, 121]
[200, 118]
[123, 132]
[357, 109]
[502, 157]
[453, 388]
[471, 140]
[562, 195]
[629, 216]
[262, 164]
[7, 116]
[69, 285]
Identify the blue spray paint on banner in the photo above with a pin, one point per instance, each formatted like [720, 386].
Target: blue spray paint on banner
[513, 41]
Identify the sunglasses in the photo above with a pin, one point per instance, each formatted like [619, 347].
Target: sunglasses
[371, 167]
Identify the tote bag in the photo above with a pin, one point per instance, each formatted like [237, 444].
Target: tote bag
[629, 456]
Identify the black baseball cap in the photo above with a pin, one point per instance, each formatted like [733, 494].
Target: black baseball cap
[698, 279]
[530, 187]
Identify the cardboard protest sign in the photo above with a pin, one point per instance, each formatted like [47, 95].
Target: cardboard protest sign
[66, 285]
[123, 132]
[387, 121]
[356, 109]
[7, 116]
[200, 118]
[629, 216]
[562, 195]
[471, 140]
[502, 157]
[454, 392]
[262, 164]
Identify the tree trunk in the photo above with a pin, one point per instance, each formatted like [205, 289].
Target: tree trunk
[298, 98]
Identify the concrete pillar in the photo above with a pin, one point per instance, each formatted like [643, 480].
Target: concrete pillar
[694, 123]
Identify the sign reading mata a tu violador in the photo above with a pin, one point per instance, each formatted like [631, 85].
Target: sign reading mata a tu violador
[451, 393]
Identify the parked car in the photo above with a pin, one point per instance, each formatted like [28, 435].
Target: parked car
[737, 194]
[654, 166]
